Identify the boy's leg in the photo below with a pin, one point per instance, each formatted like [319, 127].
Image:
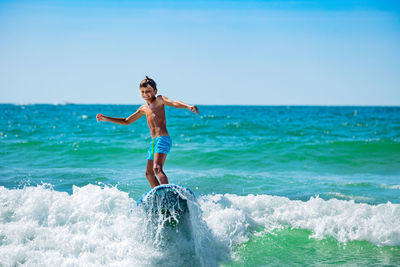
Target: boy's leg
[150, 174]
[159, 160]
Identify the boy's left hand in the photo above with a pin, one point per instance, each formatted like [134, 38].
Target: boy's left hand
[194, 109]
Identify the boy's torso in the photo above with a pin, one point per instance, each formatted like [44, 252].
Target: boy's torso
[155, 115]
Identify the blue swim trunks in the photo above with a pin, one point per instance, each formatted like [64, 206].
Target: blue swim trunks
[161, 144]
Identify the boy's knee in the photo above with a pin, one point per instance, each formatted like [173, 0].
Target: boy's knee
[157, 168]
[149, 173]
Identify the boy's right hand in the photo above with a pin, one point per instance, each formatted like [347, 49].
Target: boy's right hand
[100, 117]
[194, 109]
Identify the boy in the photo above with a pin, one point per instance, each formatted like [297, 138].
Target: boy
[155, 115]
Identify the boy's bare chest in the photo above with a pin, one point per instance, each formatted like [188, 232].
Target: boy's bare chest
[155, 113]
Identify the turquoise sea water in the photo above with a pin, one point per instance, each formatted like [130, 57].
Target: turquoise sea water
[276, 185]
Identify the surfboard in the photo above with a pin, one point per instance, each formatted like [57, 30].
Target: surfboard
[167, 199]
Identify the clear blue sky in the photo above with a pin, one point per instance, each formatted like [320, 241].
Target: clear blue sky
[203, 52]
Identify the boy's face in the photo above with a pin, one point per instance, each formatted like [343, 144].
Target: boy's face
[148, 92]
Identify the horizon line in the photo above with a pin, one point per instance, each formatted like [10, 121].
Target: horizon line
[255, 105]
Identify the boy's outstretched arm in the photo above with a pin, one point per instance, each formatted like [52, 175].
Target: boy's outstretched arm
[125, 121]
[178, 104]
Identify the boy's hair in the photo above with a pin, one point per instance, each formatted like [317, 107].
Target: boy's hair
[148, 81]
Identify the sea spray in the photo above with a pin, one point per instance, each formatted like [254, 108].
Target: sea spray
[207, 248]
[178, 232]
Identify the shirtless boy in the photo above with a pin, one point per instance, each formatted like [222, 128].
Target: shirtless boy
[155, 115]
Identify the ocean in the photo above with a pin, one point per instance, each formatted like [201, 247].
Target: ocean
[275, 186]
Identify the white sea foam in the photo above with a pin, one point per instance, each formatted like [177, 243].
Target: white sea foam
[96, 226]
[349, 197]
[391, 186]
[344, 220]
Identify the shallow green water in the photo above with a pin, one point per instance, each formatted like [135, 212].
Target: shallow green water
[291, 247]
